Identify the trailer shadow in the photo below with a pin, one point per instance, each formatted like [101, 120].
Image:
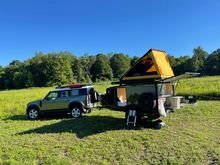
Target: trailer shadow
[83, 127]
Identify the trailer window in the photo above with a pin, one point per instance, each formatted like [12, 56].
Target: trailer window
[169, 89]
[121, 96]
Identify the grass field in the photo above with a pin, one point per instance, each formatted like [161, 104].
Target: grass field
[191, 136]
[206, 88]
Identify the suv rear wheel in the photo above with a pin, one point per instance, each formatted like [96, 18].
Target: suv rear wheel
[76, 111]
[33, 113]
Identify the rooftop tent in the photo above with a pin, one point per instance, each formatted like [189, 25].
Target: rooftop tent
[153, 65]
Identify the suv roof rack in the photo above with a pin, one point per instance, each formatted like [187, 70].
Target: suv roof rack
[73, 86]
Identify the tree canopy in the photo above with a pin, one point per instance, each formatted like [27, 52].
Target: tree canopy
[64, 67]
[196, 63]
[101, 69]
[119, 63]
[212, 63]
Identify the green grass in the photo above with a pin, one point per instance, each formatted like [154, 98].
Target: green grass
[191, 135]
[205, 88]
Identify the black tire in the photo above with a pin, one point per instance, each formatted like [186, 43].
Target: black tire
[89, 110]
[76, 111]
[33, 113]
[146, 102]
[192, 99]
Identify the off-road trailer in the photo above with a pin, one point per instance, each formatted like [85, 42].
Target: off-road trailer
[147, 90]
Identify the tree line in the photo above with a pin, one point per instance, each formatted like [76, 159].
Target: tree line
[64, 67]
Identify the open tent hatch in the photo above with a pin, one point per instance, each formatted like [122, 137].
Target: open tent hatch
[153, 65]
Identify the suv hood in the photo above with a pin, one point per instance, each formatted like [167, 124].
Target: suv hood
[34, 102]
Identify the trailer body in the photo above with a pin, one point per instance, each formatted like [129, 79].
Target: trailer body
[148, 87]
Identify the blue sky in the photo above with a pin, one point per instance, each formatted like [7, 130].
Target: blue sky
[104, 26]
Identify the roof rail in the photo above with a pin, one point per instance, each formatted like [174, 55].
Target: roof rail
[73, 85]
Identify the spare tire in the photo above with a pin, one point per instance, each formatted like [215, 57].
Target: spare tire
[146, 102]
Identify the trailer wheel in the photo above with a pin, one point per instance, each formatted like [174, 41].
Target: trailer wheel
[146, 102]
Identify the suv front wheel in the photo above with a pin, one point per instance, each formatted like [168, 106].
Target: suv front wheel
[76, 112]
[33, 113]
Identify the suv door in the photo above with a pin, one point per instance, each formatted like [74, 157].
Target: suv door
[64, 99]
[50, 101]
[57, 100]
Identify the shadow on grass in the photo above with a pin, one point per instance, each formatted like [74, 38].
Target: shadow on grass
[45, 117]
[208, 96]
[204, 96]
[17, 117]
[82, 127]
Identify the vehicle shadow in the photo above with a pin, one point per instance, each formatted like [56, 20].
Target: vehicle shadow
[82, 127]
[16, 117]
[45, 117]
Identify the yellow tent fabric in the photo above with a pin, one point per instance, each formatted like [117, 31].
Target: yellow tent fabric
[154, 64]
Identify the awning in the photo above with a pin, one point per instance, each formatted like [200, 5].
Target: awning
[182, 76]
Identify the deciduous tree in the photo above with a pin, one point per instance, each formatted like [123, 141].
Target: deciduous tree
[119, 63]
[101, 69]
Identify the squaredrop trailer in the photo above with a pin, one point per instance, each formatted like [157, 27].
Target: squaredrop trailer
[146, 90]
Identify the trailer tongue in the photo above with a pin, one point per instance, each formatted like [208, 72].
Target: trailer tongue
[146, 90]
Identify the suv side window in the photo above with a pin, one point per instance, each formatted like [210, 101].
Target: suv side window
[64, 94]
[52, 96]
[78, 92]
[75, 92]
[83, 91]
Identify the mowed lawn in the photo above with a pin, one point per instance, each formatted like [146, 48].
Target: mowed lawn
[191, 135]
